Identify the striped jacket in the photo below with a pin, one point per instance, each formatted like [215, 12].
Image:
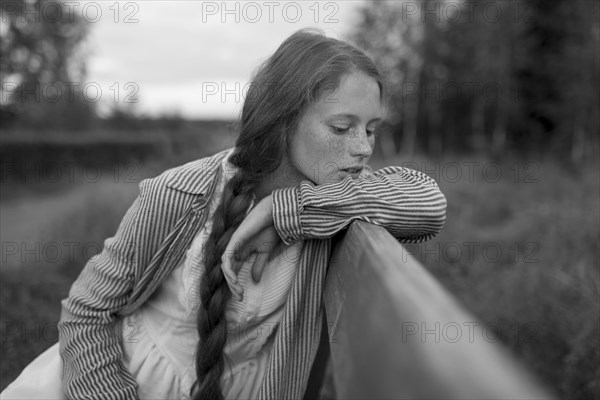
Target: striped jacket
[158, 229]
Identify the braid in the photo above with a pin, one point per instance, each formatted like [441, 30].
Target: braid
[214, 292]
[302, 65]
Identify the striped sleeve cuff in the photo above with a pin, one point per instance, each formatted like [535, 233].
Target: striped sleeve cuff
[286, 214]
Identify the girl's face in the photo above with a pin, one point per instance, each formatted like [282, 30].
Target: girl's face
[335, 134]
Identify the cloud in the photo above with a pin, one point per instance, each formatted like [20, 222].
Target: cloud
[174, 46]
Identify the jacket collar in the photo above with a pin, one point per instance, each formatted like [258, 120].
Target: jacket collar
[196, 177]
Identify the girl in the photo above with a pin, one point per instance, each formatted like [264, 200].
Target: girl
[211, 287]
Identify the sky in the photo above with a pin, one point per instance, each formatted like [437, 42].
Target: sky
[193, 58]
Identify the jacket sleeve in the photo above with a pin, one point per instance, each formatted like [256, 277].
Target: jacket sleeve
[89, 335]
[406, 202]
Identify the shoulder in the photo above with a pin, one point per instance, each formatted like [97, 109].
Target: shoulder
[164, 199]
[193, 177]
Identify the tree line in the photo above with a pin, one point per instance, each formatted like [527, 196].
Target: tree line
[464, 76]
[494, 76]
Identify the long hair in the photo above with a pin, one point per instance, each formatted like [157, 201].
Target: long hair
[280, 90]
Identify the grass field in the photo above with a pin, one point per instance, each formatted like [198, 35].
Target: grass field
[519, 250]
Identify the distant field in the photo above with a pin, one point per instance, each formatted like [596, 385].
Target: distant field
[56, 161]
[519, 249]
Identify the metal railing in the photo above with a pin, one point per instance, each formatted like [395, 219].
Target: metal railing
[396, 333]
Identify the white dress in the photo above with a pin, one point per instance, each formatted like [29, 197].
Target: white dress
[159, 338]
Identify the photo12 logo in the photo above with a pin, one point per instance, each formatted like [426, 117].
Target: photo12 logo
[270, 11]
[67, 172]
[468, 11]
[55, 11]
[53, 92]
[468, 332]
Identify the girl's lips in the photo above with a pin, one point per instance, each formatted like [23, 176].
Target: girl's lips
[353, 171]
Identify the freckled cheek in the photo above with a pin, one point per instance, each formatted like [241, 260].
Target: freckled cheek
[320, 144]
[331, 152]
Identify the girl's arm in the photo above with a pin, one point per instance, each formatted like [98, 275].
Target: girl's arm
[408, 203]
[90, 338]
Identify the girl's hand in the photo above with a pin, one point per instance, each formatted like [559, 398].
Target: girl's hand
[255, 240]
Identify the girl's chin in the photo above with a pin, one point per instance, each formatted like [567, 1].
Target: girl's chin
[333, 177]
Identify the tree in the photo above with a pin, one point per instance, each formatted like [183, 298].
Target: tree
[488, 76]
[394, 40]
[42, 64]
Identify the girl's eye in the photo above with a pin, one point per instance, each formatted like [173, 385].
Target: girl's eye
[337, 129]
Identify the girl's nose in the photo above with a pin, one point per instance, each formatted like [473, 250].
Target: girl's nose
[361, 146]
